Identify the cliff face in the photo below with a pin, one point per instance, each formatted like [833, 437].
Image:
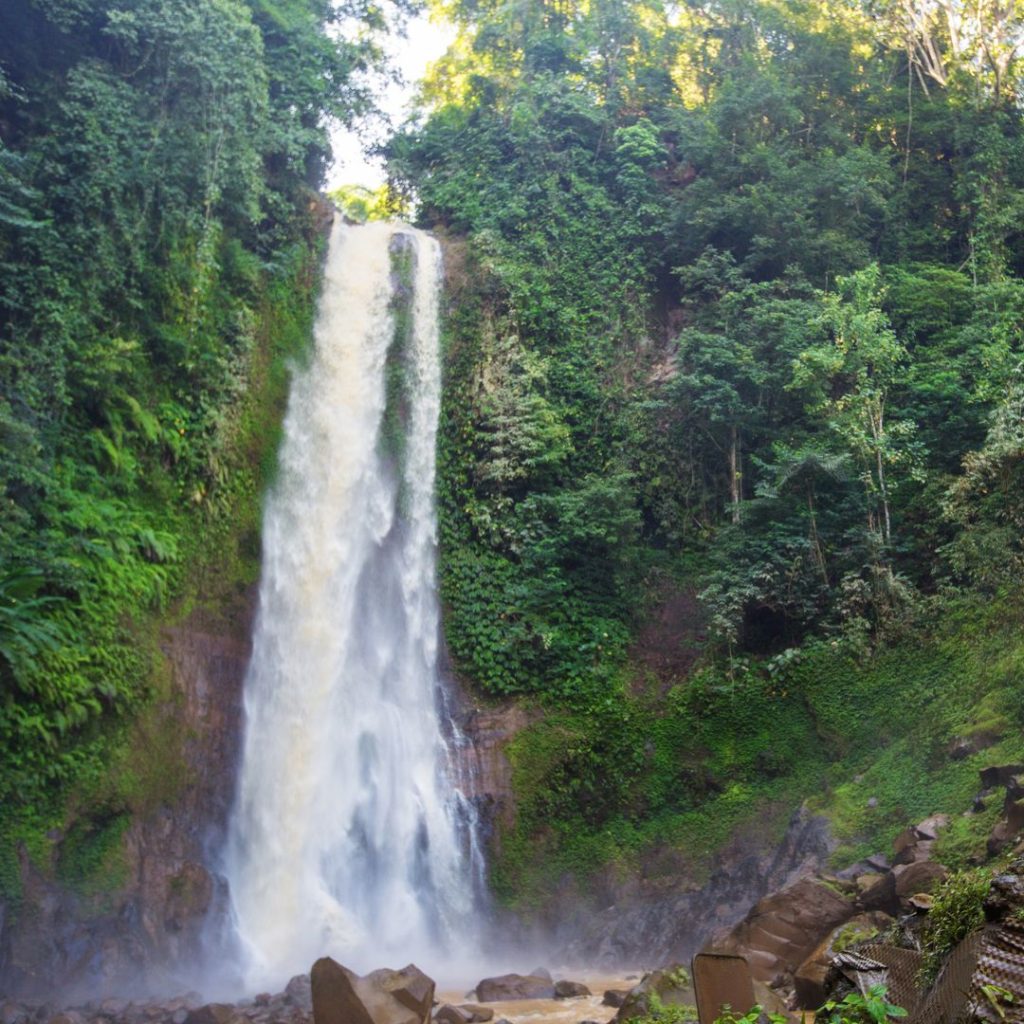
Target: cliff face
[146, 931]
[665, 911]
[666, 919]
[143, 933]
[482, 769]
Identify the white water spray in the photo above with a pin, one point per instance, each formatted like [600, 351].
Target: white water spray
[348, 837]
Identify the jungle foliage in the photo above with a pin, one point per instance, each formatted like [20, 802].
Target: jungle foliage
[736, 311]
[158, 167]
[739, 306]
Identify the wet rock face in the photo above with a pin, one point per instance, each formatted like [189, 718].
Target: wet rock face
[675, 916]
[783, 930]
[149, 929]
[790, 939]
[482, 769]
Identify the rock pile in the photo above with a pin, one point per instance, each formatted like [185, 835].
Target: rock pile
[330, 994]
[290, 1007]
[790, 937]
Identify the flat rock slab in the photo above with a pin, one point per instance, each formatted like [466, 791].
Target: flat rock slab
[720, 981]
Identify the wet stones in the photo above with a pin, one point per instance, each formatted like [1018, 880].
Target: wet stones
[330, 994]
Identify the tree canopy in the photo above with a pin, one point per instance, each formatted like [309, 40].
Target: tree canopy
[767, 256]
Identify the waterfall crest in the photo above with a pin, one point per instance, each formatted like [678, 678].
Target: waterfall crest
[348, 837]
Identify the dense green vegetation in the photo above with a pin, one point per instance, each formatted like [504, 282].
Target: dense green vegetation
[737, 313]
[736, 318]
[158, 251]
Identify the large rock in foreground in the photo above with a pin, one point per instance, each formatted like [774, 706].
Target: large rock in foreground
[783, 930]
[670, 986]
[514, 986]
[384, 997]
[811, 976]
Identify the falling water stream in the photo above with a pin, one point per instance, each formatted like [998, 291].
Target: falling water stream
[348, 836]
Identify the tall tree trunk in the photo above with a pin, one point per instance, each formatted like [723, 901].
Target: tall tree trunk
[734, 473]
[877, 419]
[819, 554]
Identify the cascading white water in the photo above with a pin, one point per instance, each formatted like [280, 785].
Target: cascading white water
[346, 836]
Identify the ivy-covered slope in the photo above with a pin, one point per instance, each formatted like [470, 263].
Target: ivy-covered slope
[737, 315]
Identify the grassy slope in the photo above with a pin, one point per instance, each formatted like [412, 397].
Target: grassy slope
[865, 741]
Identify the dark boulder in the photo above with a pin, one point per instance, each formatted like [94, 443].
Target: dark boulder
[878, 892]
[670, 986]
[448, 1014]
[1010, 827]
[570, 990]
[384, 997]
[514, 986]
[999, 775]
[782, 930]
[919, 876]
[212, 1013]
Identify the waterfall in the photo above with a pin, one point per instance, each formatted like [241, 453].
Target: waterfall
[348, 836]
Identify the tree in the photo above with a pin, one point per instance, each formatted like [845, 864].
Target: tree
[849, 382]
[981, 39]
[986, 501]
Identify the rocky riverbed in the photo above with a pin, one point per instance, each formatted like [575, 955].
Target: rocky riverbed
[294, 1005]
